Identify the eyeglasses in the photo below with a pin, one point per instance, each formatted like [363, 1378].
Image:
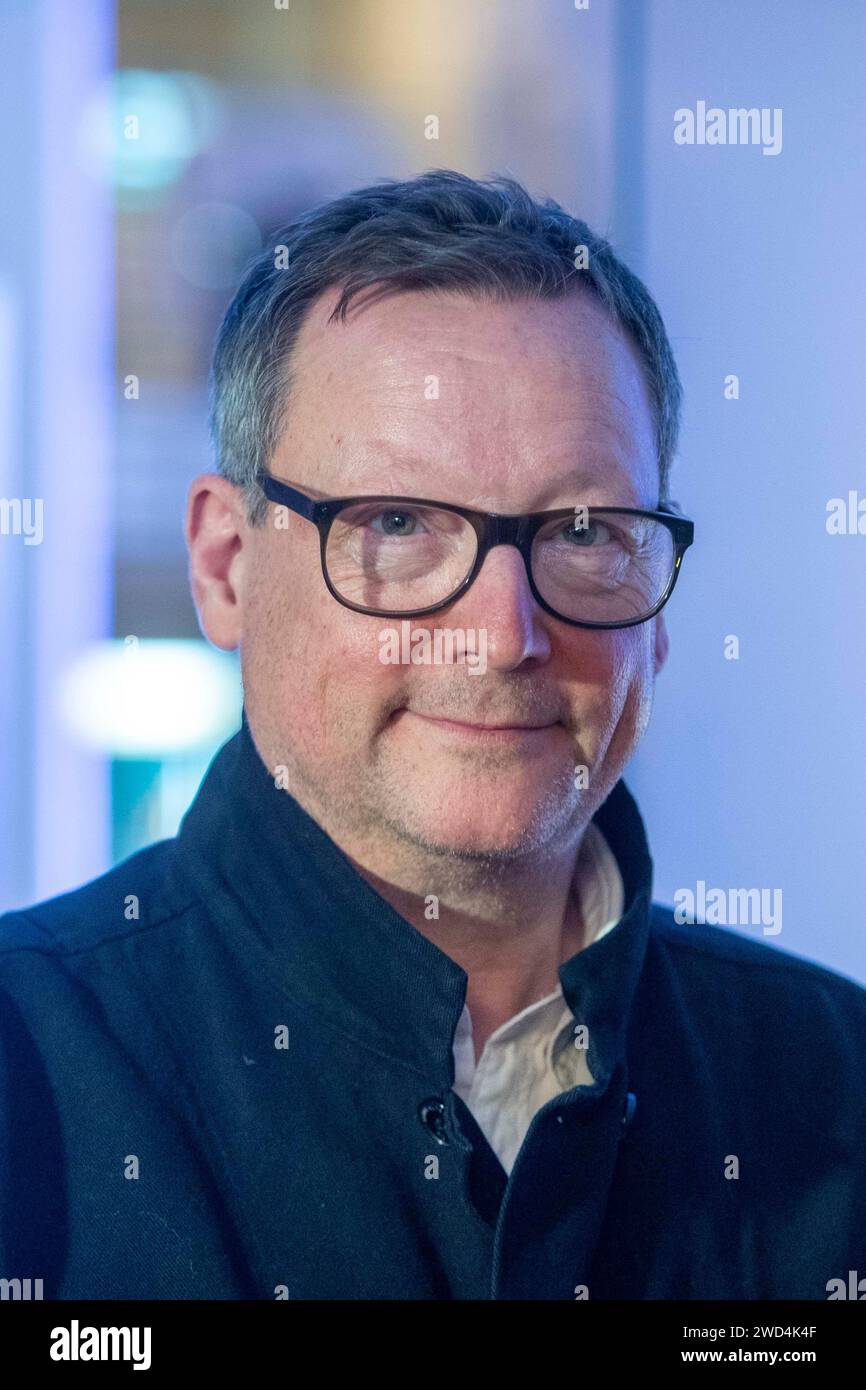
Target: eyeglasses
[598, 567]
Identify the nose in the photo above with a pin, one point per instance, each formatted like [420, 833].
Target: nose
[501, 603]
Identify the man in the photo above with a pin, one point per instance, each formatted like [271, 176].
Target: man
[394, 1016]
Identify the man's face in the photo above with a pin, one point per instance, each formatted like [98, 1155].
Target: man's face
[535, 406]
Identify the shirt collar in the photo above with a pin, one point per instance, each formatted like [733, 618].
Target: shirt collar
[598, 884]
[282, 887]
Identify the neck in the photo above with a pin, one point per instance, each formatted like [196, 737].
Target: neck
[510, 931]
[509, 924]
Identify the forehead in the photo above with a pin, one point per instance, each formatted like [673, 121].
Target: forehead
[504, 397]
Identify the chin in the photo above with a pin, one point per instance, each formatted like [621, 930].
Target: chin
[491, 823]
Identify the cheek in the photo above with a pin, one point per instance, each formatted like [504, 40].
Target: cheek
[612, 681]
[629, 660]
[353, 690]
[311, 667]
[279, 648]
[633, 678]
[611, 662]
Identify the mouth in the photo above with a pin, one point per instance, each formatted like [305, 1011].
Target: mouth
[503, 732]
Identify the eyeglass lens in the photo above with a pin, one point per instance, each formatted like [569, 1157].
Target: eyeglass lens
[612, 568]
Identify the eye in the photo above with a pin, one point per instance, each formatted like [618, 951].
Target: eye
[589, 535]
[393, 523]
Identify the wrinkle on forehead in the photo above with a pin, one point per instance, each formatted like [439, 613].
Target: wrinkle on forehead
[525, 390]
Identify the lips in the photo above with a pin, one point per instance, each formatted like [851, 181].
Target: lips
[493, 727]
[486, 727]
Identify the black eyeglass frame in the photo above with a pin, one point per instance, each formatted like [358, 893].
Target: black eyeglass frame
[491, 528]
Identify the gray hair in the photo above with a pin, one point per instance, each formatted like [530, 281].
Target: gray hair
[439, 231]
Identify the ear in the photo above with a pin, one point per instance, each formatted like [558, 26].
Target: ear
[662, 642]
[216, 531]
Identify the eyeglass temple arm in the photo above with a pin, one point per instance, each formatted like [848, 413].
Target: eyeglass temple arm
[284, 494]
[685, 529]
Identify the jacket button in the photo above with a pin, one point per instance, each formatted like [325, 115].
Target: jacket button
[432, 1115]
[629, 1106]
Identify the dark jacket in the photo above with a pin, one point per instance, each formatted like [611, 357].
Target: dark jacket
[159, 1139]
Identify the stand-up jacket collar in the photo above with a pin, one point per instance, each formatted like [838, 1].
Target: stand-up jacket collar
[263, 866]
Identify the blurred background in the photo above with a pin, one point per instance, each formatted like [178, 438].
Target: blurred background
[150, 146]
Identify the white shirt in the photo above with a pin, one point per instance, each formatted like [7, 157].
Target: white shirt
[531, 1057]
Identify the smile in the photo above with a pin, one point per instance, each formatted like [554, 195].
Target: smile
[496, 732]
